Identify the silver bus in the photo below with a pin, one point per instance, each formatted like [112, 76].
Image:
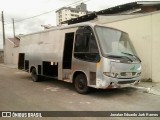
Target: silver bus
[85, 54]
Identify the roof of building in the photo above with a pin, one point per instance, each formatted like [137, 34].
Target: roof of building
[115, 10]
[103, 19]
[15, 41]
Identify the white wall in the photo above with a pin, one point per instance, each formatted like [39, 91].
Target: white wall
[156, 47]
[11, 53]
[144, 32]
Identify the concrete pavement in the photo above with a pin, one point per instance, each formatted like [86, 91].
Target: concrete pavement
[146, 87]
[19, 93]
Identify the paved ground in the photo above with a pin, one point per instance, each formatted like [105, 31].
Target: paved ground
[19, 93]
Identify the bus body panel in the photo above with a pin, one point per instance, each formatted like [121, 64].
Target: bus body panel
[45, 51]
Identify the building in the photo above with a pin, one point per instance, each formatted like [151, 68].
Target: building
[67, 13]
[11, 49]
[139, 7]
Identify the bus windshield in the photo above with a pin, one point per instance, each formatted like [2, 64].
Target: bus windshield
[114, 42]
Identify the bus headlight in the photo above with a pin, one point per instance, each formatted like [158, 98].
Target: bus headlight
[110, 74]
[139, 74]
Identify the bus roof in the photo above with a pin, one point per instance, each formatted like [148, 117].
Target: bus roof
[63, 27]
[70, 26]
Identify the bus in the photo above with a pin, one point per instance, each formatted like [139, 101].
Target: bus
[85, 54]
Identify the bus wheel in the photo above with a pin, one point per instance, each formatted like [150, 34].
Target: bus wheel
[34, 75]
[80, 84]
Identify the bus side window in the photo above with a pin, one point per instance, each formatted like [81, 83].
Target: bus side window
[86, 46]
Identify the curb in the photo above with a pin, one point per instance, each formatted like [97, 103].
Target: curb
[9, 66]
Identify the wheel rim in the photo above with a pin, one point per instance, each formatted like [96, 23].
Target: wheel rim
[81, 84]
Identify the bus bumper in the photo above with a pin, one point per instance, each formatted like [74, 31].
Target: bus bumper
[109, 82]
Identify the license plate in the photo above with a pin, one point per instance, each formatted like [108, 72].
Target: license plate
[129, 74]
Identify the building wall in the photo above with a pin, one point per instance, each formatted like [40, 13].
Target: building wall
[67, 14]
[144, 32]
[11, 53]
[155, 47]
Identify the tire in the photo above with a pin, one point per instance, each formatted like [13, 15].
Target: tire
[34, 75]
[80, 84]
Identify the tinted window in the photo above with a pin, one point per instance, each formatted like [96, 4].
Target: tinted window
[85, 45]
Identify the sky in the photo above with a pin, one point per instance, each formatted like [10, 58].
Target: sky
[20, 10]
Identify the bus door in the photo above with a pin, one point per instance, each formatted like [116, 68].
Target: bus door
[67, 55]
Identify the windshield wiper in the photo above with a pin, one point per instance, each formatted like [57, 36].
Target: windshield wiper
[116, 57]
[131, 55]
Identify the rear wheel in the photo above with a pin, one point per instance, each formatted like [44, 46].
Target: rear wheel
[34, 75]
[80, 84]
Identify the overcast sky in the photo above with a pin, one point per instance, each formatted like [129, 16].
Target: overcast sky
[22, 9]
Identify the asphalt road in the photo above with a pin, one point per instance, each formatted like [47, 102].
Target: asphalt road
[19, 93]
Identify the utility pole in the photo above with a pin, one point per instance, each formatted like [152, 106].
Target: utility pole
[13, 28]
[3, 30]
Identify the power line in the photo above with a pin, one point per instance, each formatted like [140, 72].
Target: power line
[49, 11]
[7, 19]
[71, 4]
[7, 22]
[46, 12]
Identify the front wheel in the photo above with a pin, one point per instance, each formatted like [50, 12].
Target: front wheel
[80, 84]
